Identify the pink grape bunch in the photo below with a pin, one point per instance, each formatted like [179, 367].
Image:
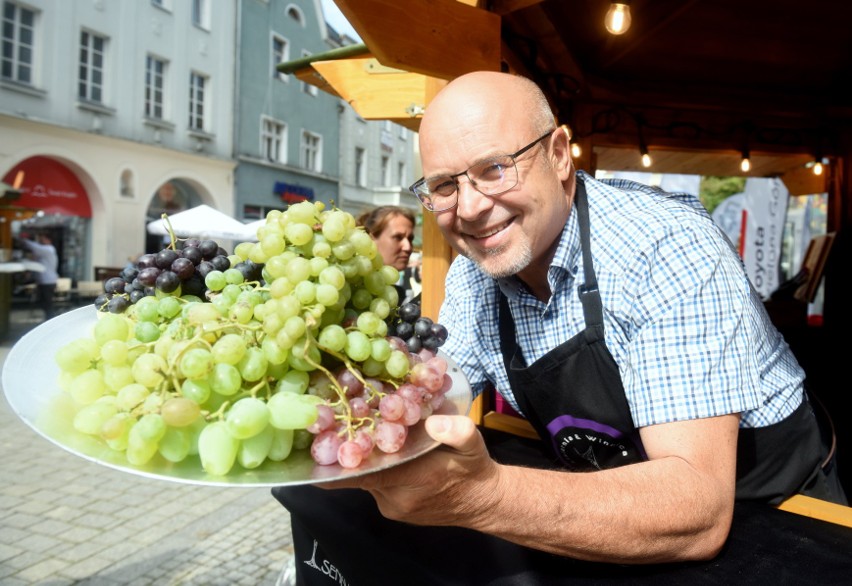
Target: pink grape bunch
[374, 414]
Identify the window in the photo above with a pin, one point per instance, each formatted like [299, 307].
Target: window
[401, 174]
[311, 151]
[18, 43]
[272, 141]
[403, 132]
[197, 101]
[360, 167]
[201, 13]
[90, 85]
[126, 185]
[280, 54]
[258, 212]
[155, 87]
[309, 89]
[296, 14]
[385, 171]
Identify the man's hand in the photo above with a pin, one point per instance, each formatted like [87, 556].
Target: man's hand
[444, 487]
[676, 506]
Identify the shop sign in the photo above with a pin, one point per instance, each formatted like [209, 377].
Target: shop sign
[50, 186]
[290, 193]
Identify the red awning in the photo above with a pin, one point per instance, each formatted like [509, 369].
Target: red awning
[51, 187]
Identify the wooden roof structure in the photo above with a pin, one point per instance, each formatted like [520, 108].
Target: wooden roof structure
[698, 83]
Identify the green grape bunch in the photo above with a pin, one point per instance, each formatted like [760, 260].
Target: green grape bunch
[283, 345]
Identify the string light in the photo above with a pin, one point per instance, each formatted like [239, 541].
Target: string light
[618, 17]
[743, 134]
[643, 148]
[745, 163]
[576, 151]
[646, 158]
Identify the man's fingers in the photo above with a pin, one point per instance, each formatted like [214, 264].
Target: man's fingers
[455, 431]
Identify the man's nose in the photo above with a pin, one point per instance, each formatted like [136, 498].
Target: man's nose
[470, 202]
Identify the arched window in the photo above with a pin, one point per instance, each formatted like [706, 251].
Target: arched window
[296, 14]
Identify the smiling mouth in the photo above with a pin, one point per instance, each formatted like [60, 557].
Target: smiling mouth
[491, 232]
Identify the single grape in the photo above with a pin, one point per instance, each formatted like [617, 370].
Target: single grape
[196, 363]
[390, 436]
[357, 346]
[325, 447]
[208, 248]
[225, 379]
[114, 285]
[165, 258]
[183, 267]
[175, 445]
[192, 254]
[167, 282]
[247, 417]
[179, 411]
[253, 451]
[217, 449]
[350, 454]
[282, 444]
[292, 411]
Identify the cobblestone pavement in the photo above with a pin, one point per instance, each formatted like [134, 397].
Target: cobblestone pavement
[65, 520]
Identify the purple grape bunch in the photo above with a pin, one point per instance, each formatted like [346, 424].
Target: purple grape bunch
[417, 331]
[167, 271]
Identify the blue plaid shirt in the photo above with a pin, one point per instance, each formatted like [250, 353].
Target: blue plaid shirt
[689, 333]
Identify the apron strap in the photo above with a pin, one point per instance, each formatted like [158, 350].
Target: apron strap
[589, 294]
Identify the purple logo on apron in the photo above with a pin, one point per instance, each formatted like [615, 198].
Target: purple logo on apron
[583, 444]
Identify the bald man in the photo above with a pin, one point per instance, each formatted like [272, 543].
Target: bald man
[619, 321]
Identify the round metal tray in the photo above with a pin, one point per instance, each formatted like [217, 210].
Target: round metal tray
[29, 380]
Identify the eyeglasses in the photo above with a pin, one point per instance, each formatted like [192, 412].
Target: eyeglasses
[493, 176]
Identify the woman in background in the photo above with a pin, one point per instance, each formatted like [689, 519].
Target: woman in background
[392, 228]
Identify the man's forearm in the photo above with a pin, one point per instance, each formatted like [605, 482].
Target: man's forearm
[624, 515]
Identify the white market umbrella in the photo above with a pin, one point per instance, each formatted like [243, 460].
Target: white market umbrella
[201, 222]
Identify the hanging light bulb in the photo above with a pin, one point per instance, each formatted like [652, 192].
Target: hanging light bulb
[646, 158]
[576, 151]
[618, 17]
[817, 168]
[745, 164]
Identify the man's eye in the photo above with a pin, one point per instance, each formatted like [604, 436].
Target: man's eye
[443, 187]
[493, 170]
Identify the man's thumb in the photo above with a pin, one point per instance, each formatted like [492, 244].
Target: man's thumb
[455, 431]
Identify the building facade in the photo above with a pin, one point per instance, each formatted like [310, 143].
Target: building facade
[286, 132]
[113, 112]
[377, 164]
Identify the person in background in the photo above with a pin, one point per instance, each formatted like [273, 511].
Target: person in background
[619, 320]
[44, 253]
[412, 279]
[392, 228]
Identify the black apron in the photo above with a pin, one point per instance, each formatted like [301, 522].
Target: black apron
[340, 537]
[574, 398]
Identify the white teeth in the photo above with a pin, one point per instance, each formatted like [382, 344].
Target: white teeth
[492, 232]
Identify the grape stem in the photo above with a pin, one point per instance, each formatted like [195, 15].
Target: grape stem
[172, 238]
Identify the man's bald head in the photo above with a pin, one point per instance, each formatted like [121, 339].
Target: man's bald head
[483, 97]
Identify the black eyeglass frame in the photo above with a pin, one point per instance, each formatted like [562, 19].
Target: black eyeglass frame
[422, 180]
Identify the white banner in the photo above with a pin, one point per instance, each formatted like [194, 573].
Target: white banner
[765, 206]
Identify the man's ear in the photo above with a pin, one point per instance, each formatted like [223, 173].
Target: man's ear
[561, 154]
